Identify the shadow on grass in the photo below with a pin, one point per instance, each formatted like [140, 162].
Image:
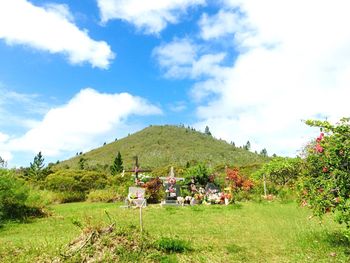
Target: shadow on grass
[233, 248]
[338, 239]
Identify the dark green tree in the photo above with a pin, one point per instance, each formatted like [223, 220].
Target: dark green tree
[207, 131]
[3, 163]
[247, 146]
[263, 152]
[117, 166]
[36, 167]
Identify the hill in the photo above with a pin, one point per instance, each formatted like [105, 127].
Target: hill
[160, 146]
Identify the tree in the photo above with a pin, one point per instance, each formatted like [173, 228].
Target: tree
[247, 146]
[36, 168]
[281, 170]
[3, 163]
[207, 131]
[263, 152]
[325, 185]
[199, 172]
[117, 166]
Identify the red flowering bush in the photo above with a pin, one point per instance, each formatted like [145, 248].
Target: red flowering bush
[154, 190]
[325, 186]
[236, 182]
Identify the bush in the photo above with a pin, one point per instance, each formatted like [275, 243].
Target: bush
[154, 190]
[73, 185]
[14, 197]
[325, 186]
[280, 171]
[104, 195]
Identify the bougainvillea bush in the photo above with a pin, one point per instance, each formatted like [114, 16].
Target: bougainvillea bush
[239, 185]
[325, 186]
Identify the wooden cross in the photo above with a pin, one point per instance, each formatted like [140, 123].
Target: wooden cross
[137, 169]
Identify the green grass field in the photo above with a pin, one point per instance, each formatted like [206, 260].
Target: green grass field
[247, 232]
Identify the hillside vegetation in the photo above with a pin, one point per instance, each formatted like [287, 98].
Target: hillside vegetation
[160, 146]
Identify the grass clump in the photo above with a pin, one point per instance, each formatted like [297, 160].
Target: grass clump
[170, 245]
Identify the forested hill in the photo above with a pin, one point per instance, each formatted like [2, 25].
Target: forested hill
[159, 146]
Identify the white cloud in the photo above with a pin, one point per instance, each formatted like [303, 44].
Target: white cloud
[176, 57]
[51, 29]
[219, 25]
[178, 106]
[150, 16]
[292, 64]
[4, 153]
[181, 58]
[78, 124]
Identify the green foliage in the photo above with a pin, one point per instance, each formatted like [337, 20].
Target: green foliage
[326, 184]
[36, 168]
[160, 146]
[82, 162]
[280, 170]
[74, 184]
[3, 163]
[207, 131]
[247, 146]
[168, 244]
[200, 173]
[117, 166]
[263, 152]
[15, 199]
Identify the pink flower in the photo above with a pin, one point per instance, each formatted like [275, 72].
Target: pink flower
[319, 148]
[319, 138]
[325, 169]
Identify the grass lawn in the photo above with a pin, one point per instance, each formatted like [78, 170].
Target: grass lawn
[248, 232]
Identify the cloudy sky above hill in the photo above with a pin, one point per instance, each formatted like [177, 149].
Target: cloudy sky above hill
[75, 74]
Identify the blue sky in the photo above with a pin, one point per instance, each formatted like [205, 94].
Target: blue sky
[74, 74]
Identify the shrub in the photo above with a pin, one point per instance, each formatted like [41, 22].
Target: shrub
[200, 173]
[325, 186]
[280, 171]
[14, 196]
[104, 195]
[73, 185]
[154, 190]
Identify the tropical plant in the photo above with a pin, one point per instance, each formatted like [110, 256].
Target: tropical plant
[326, 184]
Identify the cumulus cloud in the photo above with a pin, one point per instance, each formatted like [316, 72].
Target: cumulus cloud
[219, 25]
[293, 64]
[150, 16]
[51, 28]
[182, 58]
[77, 124]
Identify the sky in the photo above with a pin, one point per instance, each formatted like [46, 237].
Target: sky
[76, 74]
